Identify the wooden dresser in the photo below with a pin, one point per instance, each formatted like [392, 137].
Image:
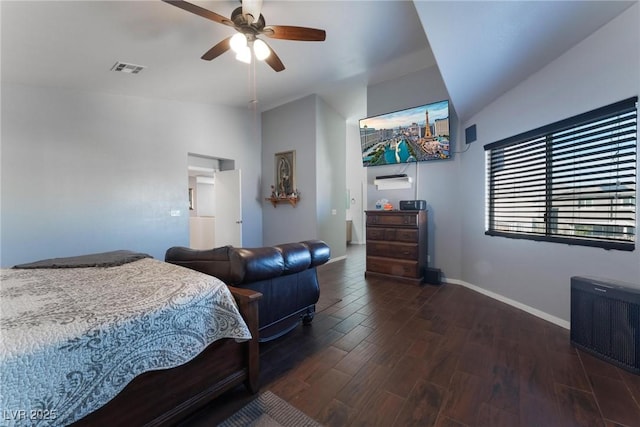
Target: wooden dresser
[397, 244]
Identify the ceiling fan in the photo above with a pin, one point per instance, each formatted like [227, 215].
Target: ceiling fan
[249, 24]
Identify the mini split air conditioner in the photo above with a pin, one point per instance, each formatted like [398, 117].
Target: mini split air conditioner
[205, 180]
[394, 183]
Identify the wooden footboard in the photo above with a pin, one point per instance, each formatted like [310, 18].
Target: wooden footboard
[164, 397]
[248, 304]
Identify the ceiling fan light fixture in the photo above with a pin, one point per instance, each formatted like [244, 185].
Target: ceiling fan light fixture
[238, 42]
[249, 24]
[252, 8]
[261, 50]
[244, 55]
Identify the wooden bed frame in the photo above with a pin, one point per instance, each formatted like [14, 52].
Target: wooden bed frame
[164, 397]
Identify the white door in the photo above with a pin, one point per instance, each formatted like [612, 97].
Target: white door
[228, 201]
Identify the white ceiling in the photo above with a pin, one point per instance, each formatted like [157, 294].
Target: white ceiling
[482, 48]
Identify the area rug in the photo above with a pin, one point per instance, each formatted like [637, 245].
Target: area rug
[268, 410]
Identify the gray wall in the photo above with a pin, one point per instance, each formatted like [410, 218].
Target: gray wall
[437, 182]
[290, 127]
[356, 182]
[331, 208]
[602, 69]
[317, 133]
[532, 275]
[87, 172]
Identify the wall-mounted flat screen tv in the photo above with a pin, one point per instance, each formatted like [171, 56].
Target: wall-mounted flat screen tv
[412, 135]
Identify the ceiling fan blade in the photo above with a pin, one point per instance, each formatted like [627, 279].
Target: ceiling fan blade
[287, 32]
[274, 61]
[217, 50]
[189, 7]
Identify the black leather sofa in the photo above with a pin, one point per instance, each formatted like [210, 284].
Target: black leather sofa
[285, 275]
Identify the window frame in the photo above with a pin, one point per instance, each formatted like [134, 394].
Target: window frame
[543, 139]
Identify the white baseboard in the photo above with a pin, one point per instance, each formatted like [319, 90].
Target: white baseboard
[541, 314]
[338, 258]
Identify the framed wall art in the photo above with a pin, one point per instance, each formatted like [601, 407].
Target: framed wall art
[285, 184]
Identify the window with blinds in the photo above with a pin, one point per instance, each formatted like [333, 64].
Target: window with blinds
[573, 181]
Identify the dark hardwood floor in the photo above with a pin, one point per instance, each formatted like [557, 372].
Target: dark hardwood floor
[392, 354]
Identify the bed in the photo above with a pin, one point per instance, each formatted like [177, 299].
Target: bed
[139, 342]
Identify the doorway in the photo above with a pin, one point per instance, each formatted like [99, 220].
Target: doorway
[215, 202]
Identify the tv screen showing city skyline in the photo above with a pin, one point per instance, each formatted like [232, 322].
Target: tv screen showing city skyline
[414, 134]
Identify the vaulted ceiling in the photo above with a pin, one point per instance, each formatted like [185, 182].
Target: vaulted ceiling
[481, 48]
[485, 48]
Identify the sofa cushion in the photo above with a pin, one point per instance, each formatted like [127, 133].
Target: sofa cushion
[319, 251]
[214, 262]
[180, 253]
[296, 257]
[253, 264]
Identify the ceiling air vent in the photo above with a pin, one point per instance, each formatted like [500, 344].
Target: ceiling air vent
[127, 68]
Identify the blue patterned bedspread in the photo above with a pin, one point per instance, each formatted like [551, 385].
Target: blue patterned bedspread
[72, 339]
